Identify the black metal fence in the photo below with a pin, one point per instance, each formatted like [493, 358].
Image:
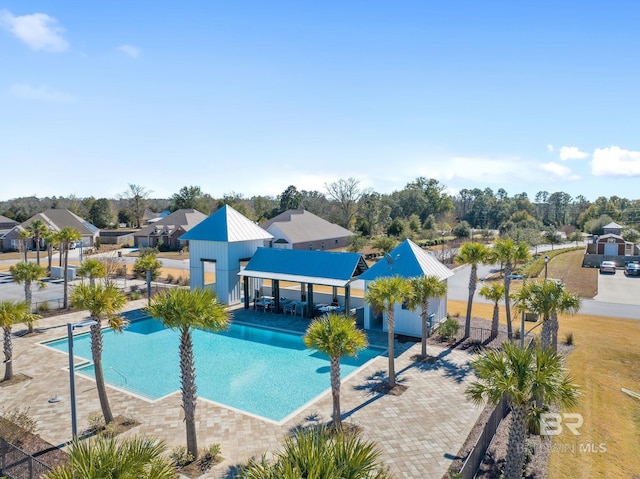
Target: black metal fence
[17, 464]
[476, 455]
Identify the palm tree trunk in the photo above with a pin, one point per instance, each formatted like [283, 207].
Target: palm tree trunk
[36, 238]
[423, 317]
[27, 297]
[189, 396]
[390, 339]
[507, 299]
[473, 278]
[96, 352]
[8, 355]
[545, 336]
[495, 322]
[65, 297]
[335, 391]
[515, 446]
[49, 256]
[554, 331]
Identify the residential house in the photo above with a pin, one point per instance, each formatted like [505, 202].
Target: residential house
[166, 231]
[300, 229]
[6, 225]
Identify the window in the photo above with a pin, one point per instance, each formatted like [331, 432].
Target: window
[322, 245]
[310, 245]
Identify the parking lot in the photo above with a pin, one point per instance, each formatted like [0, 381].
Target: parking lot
[618, 288]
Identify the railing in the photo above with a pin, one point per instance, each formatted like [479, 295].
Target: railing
[479, 449]
[17, 464]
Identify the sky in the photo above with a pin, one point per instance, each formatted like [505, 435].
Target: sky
[249, 97]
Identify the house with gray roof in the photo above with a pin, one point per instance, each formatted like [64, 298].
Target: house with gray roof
[300, 229]
[55, 220]
[6, 225]
[167, 230]
[406, 260]
[221, 243]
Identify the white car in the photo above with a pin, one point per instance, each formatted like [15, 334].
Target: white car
[608, 267]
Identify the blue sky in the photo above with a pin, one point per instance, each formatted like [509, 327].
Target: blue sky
[251, 97]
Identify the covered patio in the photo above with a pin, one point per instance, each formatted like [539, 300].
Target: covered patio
[301, 269]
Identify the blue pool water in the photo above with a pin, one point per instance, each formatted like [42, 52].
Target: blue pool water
[264, 372]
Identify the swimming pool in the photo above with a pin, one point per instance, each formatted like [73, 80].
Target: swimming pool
[260, 371]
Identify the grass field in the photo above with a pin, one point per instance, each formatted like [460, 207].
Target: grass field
[605, 359]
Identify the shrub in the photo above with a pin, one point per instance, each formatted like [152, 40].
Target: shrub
[170, 278]
[130, 419]
[96, 421]
[568, 339]
[16, 425]
[180, 456]
[448, 329]
[211, 452]
[43, 308]
[135, 295]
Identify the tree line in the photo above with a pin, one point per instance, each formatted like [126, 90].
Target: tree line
[421, 210]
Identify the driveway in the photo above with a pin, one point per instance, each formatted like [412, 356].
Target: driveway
[618, 288]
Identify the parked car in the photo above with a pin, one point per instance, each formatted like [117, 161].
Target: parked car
[608, 267]
[632, 269]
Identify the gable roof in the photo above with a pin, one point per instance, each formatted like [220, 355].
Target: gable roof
[305, 266]
[407, 260]
[185, 218]
[301, 226]
[4, 219]
[227, 225]
[612, 226]
[56, 219]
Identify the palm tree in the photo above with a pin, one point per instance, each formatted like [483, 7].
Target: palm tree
[424, 288]
[38, 230]
[318, 452]
[66, 236]
[27, 273]
[523, 375]
[150, 264]
[12, 312]
[103, 302]
[383, 294]
[25, 236]
[105, 456]
[337, 336]
[184, 310]
[473, 254]
[50, 238]
[509, 254]
[547, 299]
[93, 268]
[495, 293]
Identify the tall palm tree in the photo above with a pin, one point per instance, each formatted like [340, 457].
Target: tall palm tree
[523, 375]
[185, 310]
[472, 254]
[27, 273]
[24, 235]
[38, 229]
[93, 268]
[547, 299]
[105, 456]
[103, 303]
[337, 336]
[509, 254]
[423, 288]
[12, 312]
[495, 293]
[383, 294]
[66, 236]
[50, 238]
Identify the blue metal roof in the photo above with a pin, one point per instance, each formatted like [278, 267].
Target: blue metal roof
[305, 266]
[227, 225]
[407, 260]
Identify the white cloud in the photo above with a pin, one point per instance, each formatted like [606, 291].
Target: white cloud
[615, 161]
[130, 50]
[572, 153]
[559, 171]
[40, 93]
[38, 30]
[550, 148]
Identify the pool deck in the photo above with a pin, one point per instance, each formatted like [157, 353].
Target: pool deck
[419, 432]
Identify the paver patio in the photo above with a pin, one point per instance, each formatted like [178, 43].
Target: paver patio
[419, 432]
